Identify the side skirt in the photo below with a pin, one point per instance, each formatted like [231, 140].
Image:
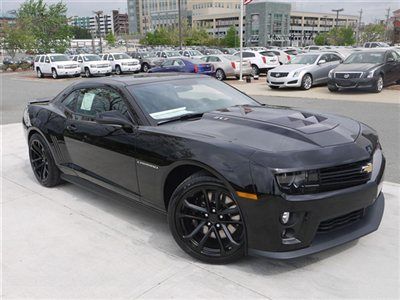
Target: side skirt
[101, 191]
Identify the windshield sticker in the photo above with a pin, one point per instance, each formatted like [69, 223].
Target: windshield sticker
[87, 101]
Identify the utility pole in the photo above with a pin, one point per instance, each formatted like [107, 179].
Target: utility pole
[337, 11]
[180, 24]
[387, 24]
[98, 15]
[359, 27]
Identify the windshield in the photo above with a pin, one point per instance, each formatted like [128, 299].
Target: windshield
[172, 54]
[147, 55]
[195, 53]
[175, 98]
[267, 53]
[308, 59]
[365, 58]
[118, 56]
[214, 51]
[54, 58]
[91, 58]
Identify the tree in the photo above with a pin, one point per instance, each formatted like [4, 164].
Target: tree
[110, 38]
[17, 40]
[231, 39]
[338, 36]
[373, 33]
[47, 24]
[320, 39]
[80, 33]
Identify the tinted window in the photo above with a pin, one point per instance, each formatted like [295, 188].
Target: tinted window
[47, 60]
[248, 54]
[179, 63]
[37, 58]
[70, 101]
[42, 59]
[367, 57]
[335, 57]
[168, 63]
[55, 58]
[91, 102]
[391, 56]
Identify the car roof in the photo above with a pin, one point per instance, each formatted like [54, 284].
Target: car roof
[139, 79]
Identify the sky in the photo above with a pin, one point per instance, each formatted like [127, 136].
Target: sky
[372, 10]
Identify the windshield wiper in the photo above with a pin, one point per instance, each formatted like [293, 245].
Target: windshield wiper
[182, 118]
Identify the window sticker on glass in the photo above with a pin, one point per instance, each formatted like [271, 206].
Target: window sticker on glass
[87, 101]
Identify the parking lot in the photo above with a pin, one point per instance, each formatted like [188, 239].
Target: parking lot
[66, 242]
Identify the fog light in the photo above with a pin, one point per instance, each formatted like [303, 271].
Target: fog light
[285, 217]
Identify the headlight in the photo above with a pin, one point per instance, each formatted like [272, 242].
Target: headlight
[370, 74]
[93, 66]
[295, 182]
[330, 74]
[296, 73]
[60, 67]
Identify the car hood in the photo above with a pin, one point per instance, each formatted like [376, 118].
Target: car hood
[271, 129]
[291, 67]
[354, 67]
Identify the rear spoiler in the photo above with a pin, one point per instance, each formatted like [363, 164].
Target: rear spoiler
[40, 100]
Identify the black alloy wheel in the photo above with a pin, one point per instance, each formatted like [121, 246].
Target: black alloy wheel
[145, 68]
[42, 162]
[87, 73]
[206, 221]
[220, 74]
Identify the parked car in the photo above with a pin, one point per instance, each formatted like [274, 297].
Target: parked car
[283, 56]
[228, 65]
[122, 63]
[184, 65]
[260, 63]
[305, 71]
[375, 45]
[55, 65]
[233, 176]
[147, 60]
[371, 69]
[192, 54]
[92, 64]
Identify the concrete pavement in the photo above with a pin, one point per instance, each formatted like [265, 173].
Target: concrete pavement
[66, 242]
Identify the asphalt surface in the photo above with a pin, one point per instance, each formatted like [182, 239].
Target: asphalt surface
[68, 243]
[17, 89]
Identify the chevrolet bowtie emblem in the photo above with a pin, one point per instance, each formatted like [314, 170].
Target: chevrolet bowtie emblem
[367, 168]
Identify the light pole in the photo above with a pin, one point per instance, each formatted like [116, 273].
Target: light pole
[337, 14]
[180, 24]
[98, 15]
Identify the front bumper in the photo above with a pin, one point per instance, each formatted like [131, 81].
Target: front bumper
[68, 72]
[310, 213]
[283, 81]
[133, 68]
[352, 83]
[100, 71]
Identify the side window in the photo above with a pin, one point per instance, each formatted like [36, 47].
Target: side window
[110, 57]
[74, 58]
[47, 59]
[324, 57]
[248, 54]
[179, 63]
[91, 102]
[391, 56]
[37, 58]
[42, 59]
[70, 101]
[167, 63]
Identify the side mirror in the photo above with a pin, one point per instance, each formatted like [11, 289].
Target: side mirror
[322, 61]
[390, 59]
[114, 118]
[80, 60]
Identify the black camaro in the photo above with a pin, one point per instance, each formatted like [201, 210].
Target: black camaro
[234, 176]
[371, 69]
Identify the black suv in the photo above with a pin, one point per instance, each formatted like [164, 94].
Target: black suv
[372, 69]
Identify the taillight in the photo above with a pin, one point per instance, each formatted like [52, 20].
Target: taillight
[196, 69]
[289, 58]
[233, 64]
[264, 59]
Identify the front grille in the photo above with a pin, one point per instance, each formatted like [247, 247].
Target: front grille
[275, 82]
[341, 221]
[343, 176]
[344, 75]
[70, 67]
[279, 74]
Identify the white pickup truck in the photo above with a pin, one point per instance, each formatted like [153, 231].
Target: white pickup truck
[55, 65]
[92, 64]
[122, 62]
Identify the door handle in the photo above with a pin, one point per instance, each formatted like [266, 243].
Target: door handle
[72, 127]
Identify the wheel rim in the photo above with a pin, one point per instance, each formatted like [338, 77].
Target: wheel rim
[87, 73]
[255, 70]
[307, 82]
[118, 71]
[39, 160]
[145, 68]
[380, 84]
[220, 75]
[54, 74]
[39, 74]
[209, 221]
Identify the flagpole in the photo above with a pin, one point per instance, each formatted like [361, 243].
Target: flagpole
[241, 40]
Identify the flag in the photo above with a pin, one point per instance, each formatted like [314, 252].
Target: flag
[245, 2]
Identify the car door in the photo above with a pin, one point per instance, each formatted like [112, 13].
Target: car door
[392, 67]
[47, 65]
[111, 60]
[103, 154]
[322, 69]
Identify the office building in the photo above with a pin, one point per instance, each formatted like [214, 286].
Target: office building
[120, 22]
[104, 26]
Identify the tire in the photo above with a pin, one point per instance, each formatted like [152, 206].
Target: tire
[39, 73]
[145, 68]
[87, 73]
[118, 70]
[333, 88]
[220, 74]
[210, 232]
[306, 82]
[378, 85]
[256, 70]
[42, 162]
[54, 73]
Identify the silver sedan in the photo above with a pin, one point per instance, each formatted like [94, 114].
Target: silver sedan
[227, 65]
[304, 71]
